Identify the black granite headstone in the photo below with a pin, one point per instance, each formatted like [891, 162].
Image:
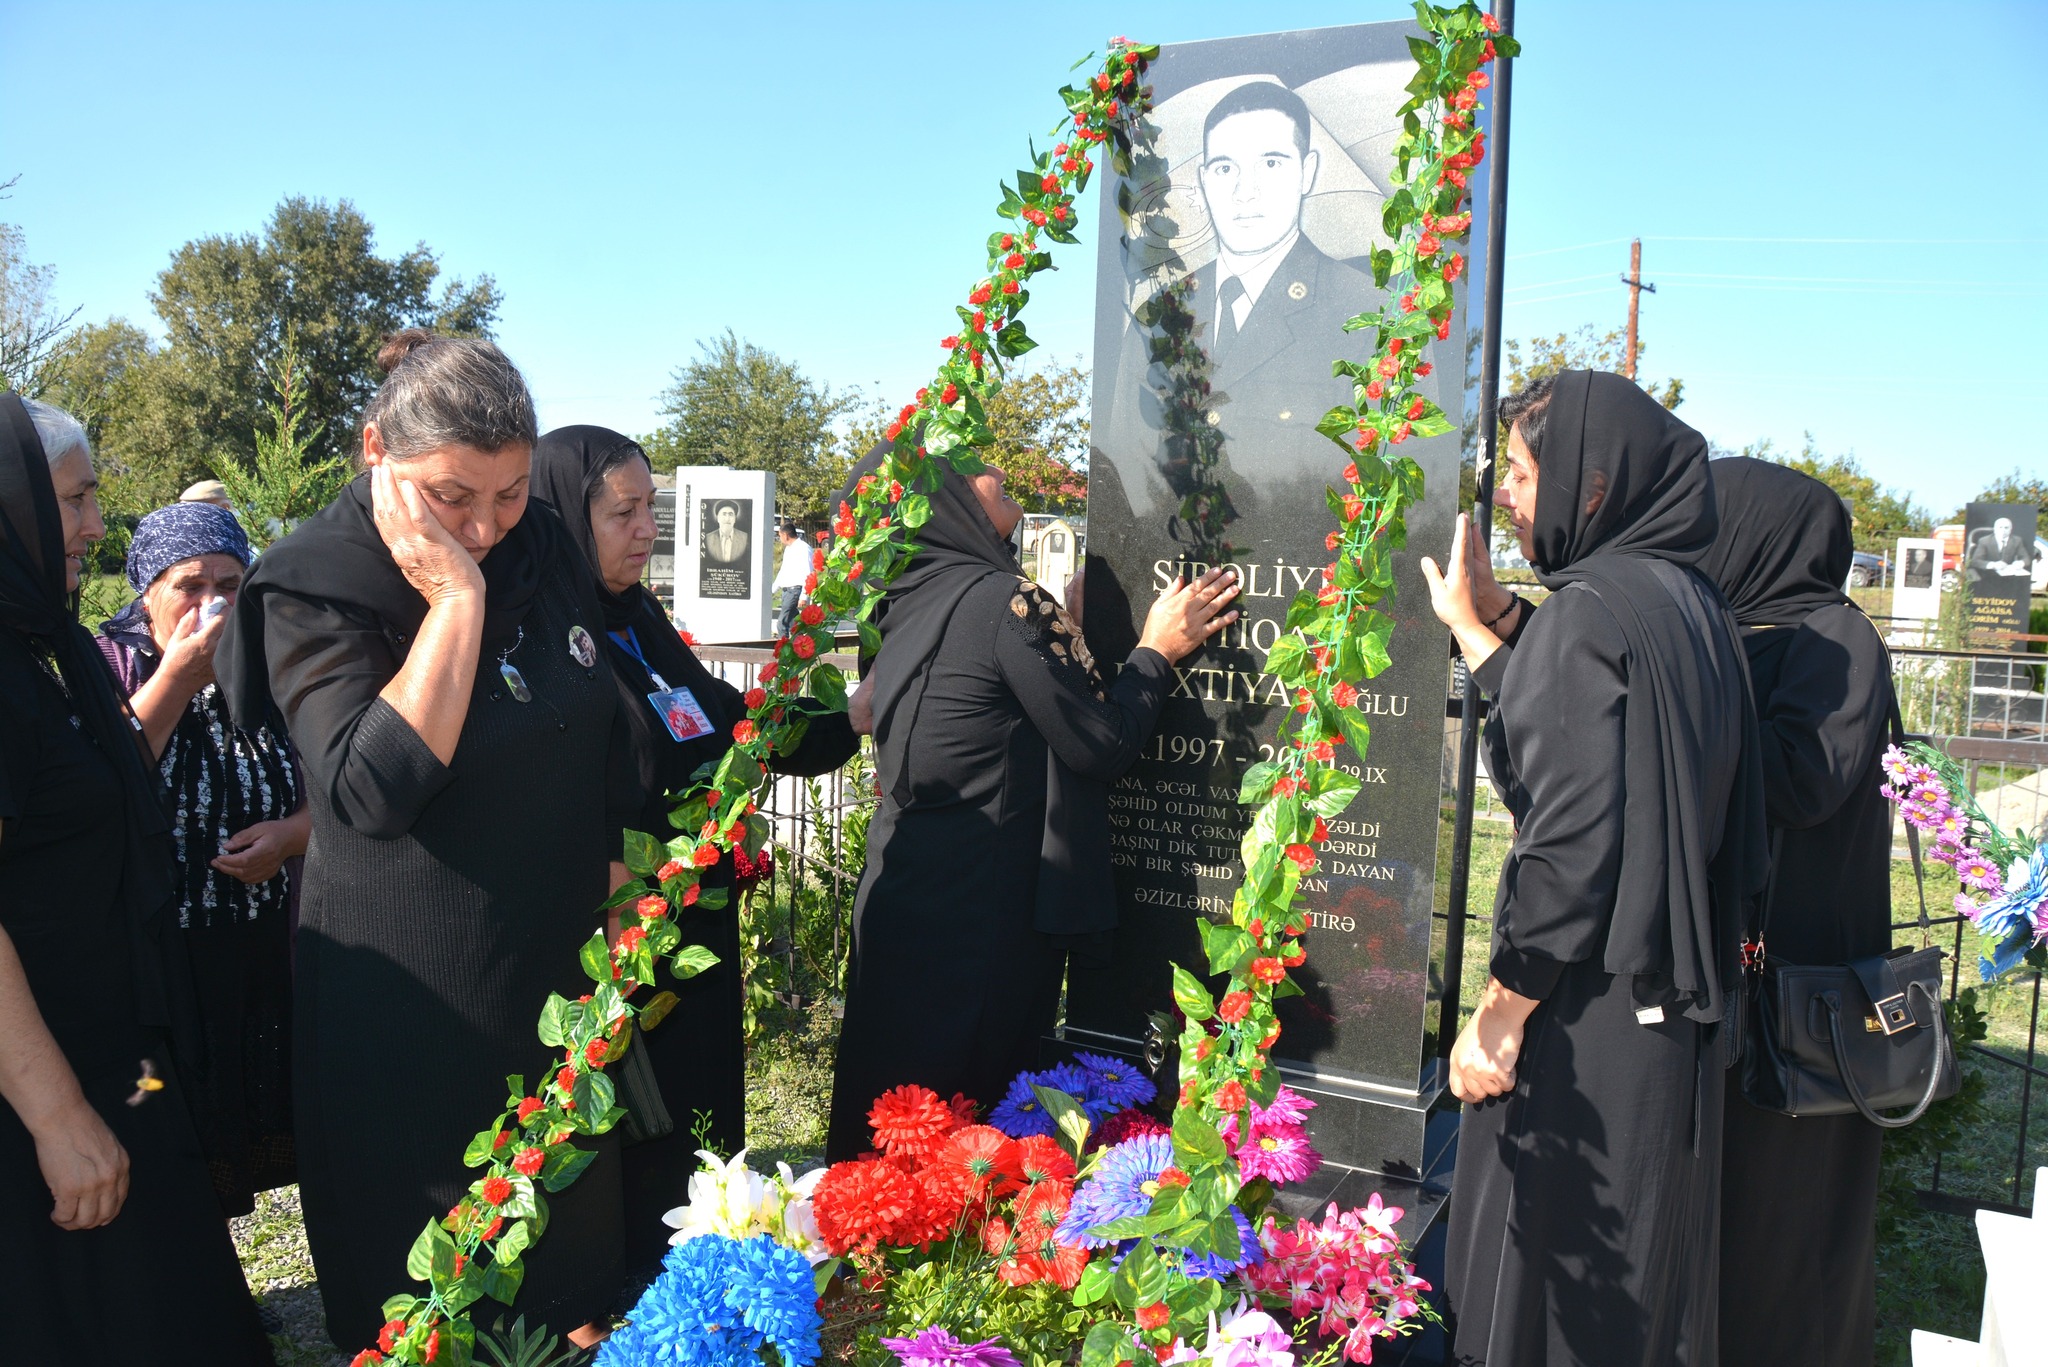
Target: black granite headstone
[1205, 452]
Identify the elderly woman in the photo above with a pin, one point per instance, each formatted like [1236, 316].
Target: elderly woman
[1622, 740]
[429, 641]
[236, 818]
[112, 1248]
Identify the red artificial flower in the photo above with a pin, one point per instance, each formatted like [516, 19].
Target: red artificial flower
[1230, 1096]
[743, 732]
[1015, 261]
[1153, 1316]
[594, 1052]
[1256, 927]
[1319, 832]
[1443, 329]
[1285, 785]
[891, 432]
[387, 1337]
[432, 1348]
[1389, 367]
[982, 294]
[1486, 53]
[811, 582]
[811, 614]
[910, 1121]
[950, 394]
[1234, 1007]
[1408, 302]
[1041, 1159]
[1343, 694]
[852, 573]
[984, 1157]
[565, 1077]
[528, 1106]
[753, 698]
[1491, 24]
[804, 646]
[504, 1138]
[1170, 1176]
[690, 895]
[1294, 957]
[653, 907]
[1129, 1123]
[1268, 970]
[495, 1190]
[1187, 1090]
[1304, 858]
[1203, 1047]
[895, 486]
[1402, 433]
[493, 1229]
[1424, 368]
[949, 343]
[1008, 241]
[1009, 287]
[1354, 507]
[704, 856]
[1331, 541]
[666, 872]
[1416, 408]
[859, 1204]
[369, 1357]
[529, 1162]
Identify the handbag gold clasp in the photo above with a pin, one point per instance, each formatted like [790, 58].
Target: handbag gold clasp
[1894, 1014]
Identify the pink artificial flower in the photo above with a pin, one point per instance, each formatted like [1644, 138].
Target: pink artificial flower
[1897, 767]
[1979, 873]
[1951, 825]
[1966, 908]
[1252, 1338]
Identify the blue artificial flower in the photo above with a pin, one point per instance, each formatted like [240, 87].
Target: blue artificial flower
[1020, 1112]
[1214, 1265]
[716, 1303]
[776, 1294]
[1125, 1181]
[2014, 919]
[1070, 1078]
[1113, 1080]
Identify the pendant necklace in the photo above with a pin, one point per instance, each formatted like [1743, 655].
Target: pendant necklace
[509, 672]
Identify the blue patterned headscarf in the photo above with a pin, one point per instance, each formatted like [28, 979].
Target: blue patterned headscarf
[183, 531]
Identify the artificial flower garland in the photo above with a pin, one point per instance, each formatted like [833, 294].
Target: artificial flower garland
[1335, 639]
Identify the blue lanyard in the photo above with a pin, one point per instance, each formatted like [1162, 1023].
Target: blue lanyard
[630, 643]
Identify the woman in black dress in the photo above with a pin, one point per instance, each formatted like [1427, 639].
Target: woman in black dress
[236, 821]
[429, 640]
[1586, 1191]
[112, 1247]
[1804, 1290]
[994, 738]
[601, 484]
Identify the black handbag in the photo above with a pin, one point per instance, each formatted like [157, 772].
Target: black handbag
[1835, 1038]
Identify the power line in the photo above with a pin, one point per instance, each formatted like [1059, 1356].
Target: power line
[1568, 280]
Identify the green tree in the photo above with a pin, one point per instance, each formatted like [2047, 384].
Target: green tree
[1531, 360]
[116, 381]
[742, 406]
[287, 483]
[1040, 419]
[2017, 487]
[33, 330]
[1881, 515]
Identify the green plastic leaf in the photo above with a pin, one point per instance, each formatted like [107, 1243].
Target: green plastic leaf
[554, 1021]
[1190, 996]
[1331, 790]
[656, 1011]
[432, 1247]
[1258, 782]
[1195, 1141]
[644, 853]
[565, 1165]
[916, 510]
[1108, 1344]
[1094, 1283]
[691, 960]
[1068, 1116]
[596, 958]
[501, 1279]
[483, 1146]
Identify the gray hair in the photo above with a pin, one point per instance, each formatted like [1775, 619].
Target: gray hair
[449, 391]
[59, 432]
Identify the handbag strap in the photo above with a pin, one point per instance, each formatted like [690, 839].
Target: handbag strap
[1849, 1084]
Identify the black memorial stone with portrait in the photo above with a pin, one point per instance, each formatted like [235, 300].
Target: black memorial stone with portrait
[1997, 566]
[1205, 452]
[725, 549]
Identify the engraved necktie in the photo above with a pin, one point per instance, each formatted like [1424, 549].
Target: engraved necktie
[1230, 292]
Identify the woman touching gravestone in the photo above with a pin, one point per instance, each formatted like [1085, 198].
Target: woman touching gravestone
[1586, 1197]
[995, 741]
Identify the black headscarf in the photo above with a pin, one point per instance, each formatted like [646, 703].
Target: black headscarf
[1785, 546]
[338, 557]
[1624, 485]
[568, 463]
[35, 603]
[957, 549]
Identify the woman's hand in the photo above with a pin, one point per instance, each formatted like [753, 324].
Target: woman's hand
[860, 708]
[188, 654]
[431, 560]
[256, 854]
[84, 1166]
[1465, 596]
[1488, 1048]
[1186, 615]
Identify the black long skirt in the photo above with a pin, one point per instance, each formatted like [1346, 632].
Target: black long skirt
[1585, 1205]
[1798, 1237]
[158, 1286]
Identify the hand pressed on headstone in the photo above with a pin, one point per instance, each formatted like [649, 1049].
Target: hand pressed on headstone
[1187, 614]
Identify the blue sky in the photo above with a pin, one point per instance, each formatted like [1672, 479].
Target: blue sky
[1835, 199]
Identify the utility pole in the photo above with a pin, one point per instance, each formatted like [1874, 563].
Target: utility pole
[1634, 281]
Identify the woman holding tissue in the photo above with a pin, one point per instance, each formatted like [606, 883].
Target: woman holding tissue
[237, 819]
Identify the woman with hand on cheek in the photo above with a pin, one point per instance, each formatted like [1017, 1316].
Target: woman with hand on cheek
[430, 642]
[1623, 742]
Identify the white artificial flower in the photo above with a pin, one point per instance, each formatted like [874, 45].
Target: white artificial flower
[725, 1198]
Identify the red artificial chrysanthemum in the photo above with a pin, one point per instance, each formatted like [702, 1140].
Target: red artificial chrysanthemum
[910, 1120]
[1041, 1159]
[984, 1155]
[941, 1197]
[860, 1205]
[495, 1190]
[1040, 1208]
[963, 1109]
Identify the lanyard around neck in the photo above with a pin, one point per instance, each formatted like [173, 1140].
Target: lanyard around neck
[630, 643]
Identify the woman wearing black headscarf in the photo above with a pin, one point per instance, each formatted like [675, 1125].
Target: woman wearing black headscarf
[1622, 740]
[429, 639]
[995, 739]
[601, 484]
[1805, 1290]
[112, 1248]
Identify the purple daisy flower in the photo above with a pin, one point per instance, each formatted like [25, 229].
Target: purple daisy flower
[1280, 1153]
[1020, 1112]
[1980, 873]
[935, 1347]
[1125, 1181]
[1115, 1081]
[1896, 766]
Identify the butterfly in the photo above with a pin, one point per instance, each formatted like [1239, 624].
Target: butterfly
[147, 1083]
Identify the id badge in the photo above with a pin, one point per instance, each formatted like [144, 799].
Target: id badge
[679, 711]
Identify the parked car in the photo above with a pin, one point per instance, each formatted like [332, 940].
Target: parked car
[1865, 570]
